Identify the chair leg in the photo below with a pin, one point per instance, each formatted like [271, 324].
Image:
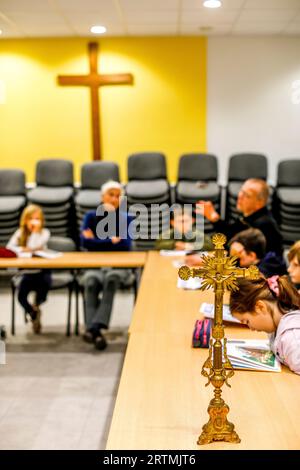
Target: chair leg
[135, 289]
[13, 291]
[77, 309]
[70, 289]
[137, 276]
[83, 306]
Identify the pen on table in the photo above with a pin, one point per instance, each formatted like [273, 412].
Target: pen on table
[236, 341]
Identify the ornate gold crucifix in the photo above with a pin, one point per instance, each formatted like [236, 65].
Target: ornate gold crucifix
[94, 80]
[219, 272]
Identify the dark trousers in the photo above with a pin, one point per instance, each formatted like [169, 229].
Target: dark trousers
[34, 282]
[98, 309]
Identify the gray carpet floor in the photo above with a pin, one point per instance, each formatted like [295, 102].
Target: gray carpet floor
[58, 392]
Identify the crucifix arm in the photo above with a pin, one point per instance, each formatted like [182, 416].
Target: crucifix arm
[251, 273]
[185, 272]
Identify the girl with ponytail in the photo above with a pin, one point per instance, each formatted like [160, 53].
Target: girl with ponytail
[271, 305]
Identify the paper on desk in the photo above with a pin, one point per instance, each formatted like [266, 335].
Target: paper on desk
[24, 254]
[173, 252]
[177, 263]
[48, 254]
[191, 284]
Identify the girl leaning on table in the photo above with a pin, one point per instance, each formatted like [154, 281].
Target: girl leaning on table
[271, 305]
[30, 237]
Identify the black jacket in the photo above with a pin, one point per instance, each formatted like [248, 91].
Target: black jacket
[272, 264]
[262, 220]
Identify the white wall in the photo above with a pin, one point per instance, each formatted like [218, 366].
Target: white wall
[250, 98]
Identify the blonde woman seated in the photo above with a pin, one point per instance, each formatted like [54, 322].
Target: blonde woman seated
[30, 237]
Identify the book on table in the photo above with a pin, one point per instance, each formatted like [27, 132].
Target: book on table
[208, 311]
[252, 354]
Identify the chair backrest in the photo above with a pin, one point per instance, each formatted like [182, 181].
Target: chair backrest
[288, 173]
[247, 165]
[54, 172]
[12, 182]
[61, 244]
[95, 174]
[198, 166]
[147, 166]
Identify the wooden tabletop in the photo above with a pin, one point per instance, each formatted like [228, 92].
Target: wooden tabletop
[162, 399]
[76, 259]
[160, 305]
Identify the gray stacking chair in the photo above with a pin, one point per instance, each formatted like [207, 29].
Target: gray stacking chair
[54, 193]
[147, 178]
[61, 279]
[12, 202]
[287, 200]
[243, 166]
[148, 184]
[198, 180]
[93, 176]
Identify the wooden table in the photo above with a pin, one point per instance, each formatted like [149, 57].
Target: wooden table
[160, 305]
[79, 259]
[162, 398]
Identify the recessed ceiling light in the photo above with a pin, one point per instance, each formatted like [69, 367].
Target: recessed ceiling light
[0, 31]
[98, 29]
[212, 3]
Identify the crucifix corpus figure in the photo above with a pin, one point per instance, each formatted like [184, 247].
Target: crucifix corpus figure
[94, 80]
[219, 272]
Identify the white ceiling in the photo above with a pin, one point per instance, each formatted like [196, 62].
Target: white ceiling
[53, 18]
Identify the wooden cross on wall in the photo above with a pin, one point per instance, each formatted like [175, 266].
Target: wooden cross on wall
[94, 80]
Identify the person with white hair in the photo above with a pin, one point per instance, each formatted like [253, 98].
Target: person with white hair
[103, 230]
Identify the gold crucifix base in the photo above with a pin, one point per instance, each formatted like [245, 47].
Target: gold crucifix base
[218, 428]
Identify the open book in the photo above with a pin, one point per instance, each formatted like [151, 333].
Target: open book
[252, 354]
[208, 312]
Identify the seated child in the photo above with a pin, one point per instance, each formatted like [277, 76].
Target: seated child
[250, 248]
[271, 305]
[182, 235]
[32, 236]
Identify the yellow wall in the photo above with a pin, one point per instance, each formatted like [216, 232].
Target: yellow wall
[165, 109]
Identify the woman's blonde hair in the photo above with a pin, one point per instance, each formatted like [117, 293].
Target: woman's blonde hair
[26, 214]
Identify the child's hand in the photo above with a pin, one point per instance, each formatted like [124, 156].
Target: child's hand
[35, 225]
[88, 233]
[180, 245]
[115, 240]
[26, 249]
